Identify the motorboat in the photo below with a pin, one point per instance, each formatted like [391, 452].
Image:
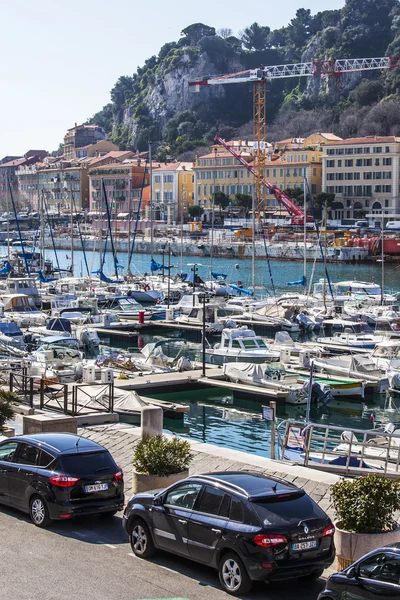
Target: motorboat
[267, 377]
[56, 359]
[353, 335]
[21, 285]
[11, 335]
[241, 345]
[200, 314]
[386, 355]
[357, 366]
[21, 309]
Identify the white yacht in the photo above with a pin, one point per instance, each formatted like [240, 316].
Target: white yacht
[241, 345]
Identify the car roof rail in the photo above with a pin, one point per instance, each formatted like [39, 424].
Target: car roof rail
[222, 482]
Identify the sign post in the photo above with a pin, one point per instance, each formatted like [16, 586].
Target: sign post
[269, 414]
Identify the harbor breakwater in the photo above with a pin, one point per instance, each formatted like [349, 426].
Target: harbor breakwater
[292, 251]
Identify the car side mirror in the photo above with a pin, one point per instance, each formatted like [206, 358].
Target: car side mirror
[158, 501]
[352, 573]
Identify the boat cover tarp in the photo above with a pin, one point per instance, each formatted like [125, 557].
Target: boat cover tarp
[6, 269]
[106, 279]
[58, 324]
[242, 371]
[241, 290]
[302, 281]
[219, 275]
[155, 266]
[44, 279]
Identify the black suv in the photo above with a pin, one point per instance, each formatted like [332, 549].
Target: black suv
[59, 476]
[374, 576]
[248, 526]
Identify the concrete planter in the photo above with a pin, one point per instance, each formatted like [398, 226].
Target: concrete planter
[145, 483]
[351, 546]
[7, 432]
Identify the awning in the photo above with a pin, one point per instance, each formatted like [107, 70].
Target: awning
[122, 215]
[96, 214]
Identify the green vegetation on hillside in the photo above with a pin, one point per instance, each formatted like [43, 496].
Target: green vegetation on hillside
[151, 104]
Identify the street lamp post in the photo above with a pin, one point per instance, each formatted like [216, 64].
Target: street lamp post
[203, 298]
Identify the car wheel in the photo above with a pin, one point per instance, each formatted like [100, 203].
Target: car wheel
[313, 575]
[39, 512]
[233, 575]
[141, 540]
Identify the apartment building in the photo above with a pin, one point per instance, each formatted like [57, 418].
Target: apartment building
[65, 185]
[172, 190]
[81, 136]
[363, 173]
[123, 183]
[9, 174]
[286, 168]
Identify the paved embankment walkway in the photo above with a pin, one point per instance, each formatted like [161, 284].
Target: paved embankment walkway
[120, 439]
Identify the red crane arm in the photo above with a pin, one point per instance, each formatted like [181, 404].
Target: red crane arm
[284, 199]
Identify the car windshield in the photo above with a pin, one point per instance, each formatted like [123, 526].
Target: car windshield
[88, 463]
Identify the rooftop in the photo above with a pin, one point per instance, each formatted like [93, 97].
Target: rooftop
[367, 140]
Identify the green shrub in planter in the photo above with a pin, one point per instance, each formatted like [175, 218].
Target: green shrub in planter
[158, 455]
[7, 400]
[366, 504]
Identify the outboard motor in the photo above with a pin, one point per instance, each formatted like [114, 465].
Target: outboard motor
[318, 394]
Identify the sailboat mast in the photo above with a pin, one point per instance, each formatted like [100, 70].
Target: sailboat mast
[8, 224]
[325, 249]
[72, 230]
[253, 241]
[151, 200]
[382, 261]
[305, 234]
[42, 224]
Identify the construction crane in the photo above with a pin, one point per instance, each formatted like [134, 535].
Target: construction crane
[293, 209]
[259, 78]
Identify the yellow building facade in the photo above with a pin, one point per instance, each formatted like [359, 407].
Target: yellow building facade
[172, 191]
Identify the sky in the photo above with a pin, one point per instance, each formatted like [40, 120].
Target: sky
[59, 60]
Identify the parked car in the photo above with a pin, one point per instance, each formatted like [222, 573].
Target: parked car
[248, 526]
[374, 576]
[59, 476]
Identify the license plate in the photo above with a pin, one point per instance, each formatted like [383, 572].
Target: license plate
[304, 545]
[97, 487]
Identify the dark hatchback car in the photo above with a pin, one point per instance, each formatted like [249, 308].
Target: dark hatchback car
[374, 576]
[248, 526]
[59, 476]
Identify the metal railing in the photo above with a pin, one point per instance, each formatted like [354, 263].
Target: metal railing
[20, 383]
[349, 452]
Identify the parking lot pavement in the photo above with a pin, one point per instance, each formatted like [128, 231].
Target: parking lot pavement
[92, 559]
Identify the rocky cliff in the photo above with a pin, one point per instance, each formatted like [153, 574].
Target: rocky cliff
[156, 103]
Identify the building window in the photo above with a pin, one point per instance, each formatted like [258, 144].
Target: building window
[339, 162]
[314, 172]
[358, 150]
[157, 179]
[387, 188]
[368, 175]
[377, 149]
[387, 149]
[339, 189]
[386, 203]
[330, 164]
[387, 175]
[348, 162]
[313, 188]
[348, 176]
[387, 162]
[357, 176]
[378, 175]
[339, 176]
[377, 162]
[378, 188]
[367, 162]
[367, 150]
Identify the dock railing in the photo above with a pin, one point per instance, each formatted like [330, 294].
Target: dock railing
[350, 452]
